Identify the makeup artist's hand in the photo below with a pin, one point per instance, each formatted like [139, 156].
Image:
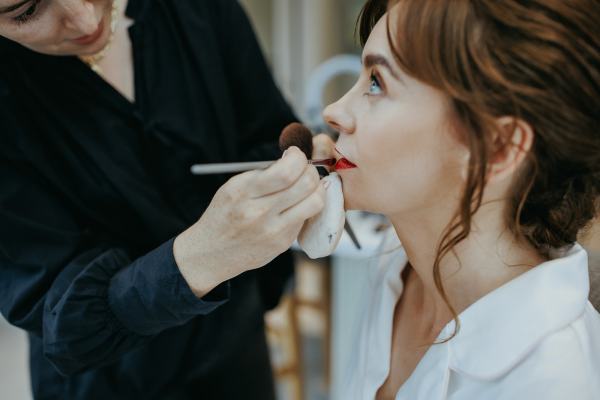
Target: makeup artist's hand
[252, 219]
[323, 147]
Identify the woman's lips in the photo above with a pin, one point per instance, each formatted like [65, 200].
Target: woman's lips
[89, 39]
[343, 163]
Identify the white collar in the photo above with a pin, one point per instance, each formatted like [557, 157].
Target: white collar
[497, 331]
[501, 328]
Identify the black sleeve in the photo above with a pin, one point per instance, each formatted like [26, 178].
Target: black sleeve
[89, 301]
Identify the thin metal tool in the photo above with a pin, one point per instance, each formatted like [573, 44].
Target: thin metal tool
[352, 235]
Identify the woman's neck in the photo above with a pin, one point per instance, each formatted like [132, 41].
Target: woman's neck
[117, 66]
[487, 259]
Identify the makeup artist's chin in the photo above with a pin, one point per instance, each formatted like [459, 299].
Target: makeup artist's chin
[75, 45]
[92, 43]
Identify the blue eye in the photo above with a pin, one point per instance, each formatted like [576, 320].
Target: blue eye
[375, 87]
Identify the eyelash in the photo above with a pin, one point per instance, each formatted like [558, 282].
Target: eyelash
[374, 80]
[28, 14]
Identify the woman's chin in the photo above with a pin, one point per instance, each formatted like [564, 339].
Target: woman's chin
[348, 207]
[93, 48]
[352, 202]
[354, 196]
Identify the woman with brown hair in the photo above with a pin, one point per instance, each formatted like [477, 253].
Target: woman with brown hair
[475, 128]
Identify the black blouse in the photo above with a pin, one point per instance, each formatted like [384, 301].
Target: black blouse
[93, 189]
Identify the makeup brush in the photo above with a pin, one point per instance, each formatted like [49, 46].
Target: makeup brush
[298, 135]
[294, 134]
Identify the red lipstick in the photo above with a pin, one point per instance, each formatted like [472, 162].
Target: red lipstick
[343, 163]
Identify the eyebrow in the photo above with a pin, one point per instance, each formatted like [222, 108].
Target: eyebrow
[377, 59]
[14, 7]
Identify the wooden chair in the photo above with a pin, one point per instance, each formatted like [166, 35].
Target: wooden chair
[304, 310]
[285, 341]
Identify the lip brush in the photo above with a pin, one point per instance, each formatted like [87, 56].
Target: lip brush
[294, 134]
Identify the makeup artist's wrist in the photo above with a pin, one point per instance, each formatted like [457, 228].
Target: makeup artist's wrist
[197, 267]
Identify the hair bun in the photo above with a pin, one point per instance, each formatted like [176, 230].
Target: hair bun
[553, 218]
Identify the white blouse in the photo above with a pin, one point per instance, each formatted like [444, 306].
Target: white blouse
[536, 337]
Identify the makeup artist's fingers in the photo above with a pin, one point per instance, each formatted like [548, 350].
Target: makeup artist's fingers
[281, 175]
[300, 190]
[306, 209]
[323, 147]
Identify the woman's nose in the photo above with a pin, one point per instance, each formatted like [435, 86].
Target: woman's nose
[338, 117]
[80, 16]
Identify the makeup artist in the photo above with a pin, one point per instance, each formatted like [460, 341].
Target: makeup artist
[132, 277]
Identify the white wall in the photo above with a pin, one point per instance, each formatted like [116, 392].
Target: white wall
[298, 35]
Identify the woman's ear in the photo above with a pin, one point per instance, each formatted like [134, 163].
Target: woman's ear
[511, 146]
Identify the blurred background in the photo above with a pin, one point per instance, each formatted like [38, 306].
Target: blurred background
[311, 47]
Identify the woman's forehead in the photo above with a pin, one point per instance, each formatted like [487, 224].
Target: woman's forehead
[378, 39]
[388, 22]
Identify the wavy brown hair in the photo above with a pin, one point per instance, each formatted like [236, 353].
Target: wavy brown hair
[537, 61]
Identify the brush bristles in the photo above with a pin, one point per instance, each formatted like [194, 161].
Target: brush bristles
[298, 135]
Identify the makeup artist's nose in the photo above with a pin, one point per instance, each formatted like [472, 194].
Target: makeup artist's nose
[80, 16]
[339, 118]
